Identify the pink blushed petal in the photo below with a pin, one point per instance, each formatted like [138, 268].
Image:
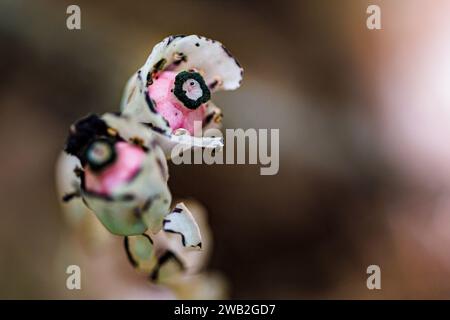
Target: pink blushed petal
[178, 116]
[193, 116]
[172, 114]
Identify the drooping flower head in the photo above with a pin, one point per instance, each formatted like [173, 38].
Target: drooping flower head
[172, 90]
[123, 173]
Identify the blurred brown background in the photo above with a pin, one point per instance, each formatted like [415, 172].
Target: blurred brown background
[364, 118]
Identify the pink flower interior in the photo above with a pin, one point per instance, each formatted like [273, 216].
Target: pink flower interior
[128, 163]
[167, 104]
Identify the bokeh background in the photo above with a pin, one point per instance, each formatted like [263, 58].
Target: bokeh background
[364, 119]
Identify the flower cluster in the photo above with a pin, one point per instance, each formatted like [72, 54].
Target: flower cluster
[116, 164]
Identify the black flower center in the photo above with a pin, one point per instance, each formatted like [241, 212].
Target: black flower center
[191, 89]
[100, 153]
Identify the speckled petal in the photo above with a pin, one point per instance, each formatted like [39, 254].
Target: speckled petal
[68, 183]
[217, 65]
[192, 259]
[181, 221]
[129, 128]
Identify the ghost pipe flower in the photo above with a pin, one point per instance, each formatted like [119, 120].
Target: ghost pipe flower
[172, 89]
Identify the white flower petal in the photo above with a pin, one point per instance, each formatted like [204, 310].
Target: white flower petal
[68, 183]
[217, 65]
[129, 128]
[181, 221]
[193, 260]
